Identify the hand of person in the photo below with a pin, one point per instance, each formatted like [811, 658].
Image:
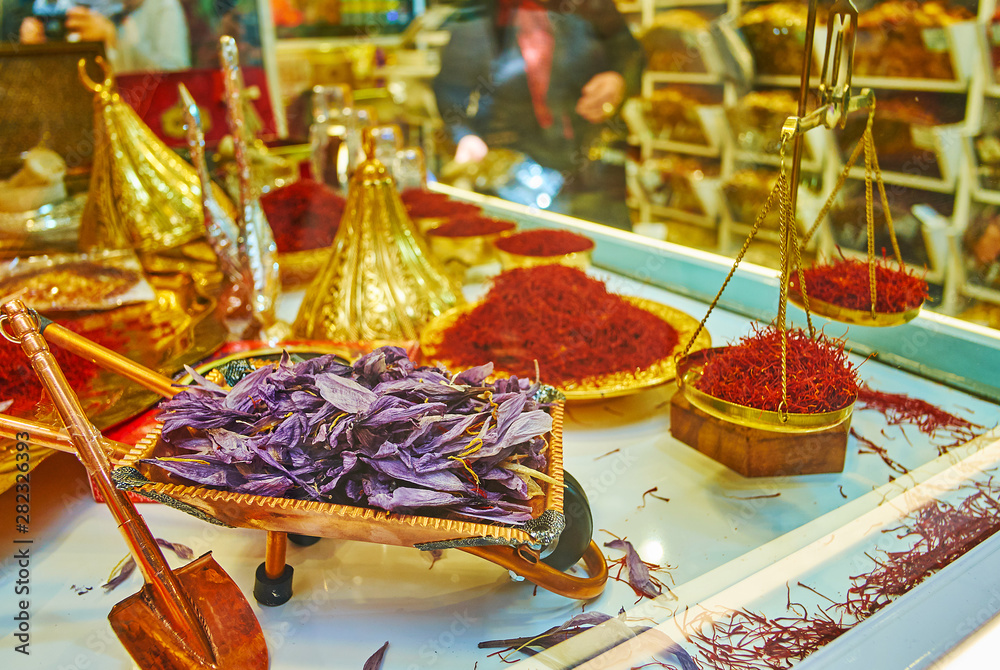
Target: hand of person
[90, 26]
[471, 149]
[32, 31]
[601, 96]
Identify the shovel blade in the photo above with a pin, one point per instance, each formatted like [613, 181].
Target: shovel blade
[233, 631]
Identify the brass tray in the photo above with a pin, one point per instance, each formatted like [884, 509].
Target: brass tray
[611, 385]
[690, 368]
[331, 520]
[857, 317]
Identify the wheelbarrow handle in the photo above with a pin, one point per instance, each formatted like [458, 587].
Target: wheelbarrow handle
[107, 359]
[43, 435]
[546, 576]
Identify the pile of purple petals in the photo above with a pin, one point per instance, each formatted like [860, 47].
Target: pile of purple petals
[381, 433]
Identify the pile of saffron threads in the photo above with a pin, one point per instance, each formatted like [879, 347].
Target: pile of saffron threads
[421, 204]
[545, 243]
[943, 533]
[303, 215]
[846, 283]
[748, 373]
[744, 640]
[900, 409]
[469, 226]
[561, 318]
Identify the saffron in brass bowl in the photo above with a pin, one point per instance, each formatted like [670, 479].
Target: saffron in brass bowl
[466, 242]
[544, 247]
[742, 383]
[841, 291]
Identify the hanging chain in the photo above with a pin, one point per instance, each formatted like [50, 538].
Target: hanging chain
[841, 180]
[870, 216]
[784, 217]
[765, 210]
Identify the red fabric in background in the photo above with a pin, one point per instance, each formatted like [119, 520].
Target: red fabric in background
[151, 94]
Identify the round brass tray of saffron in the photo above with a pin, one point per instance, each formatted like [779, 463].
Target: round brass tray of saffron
[611, 385]
[857, 317]
[689, 372]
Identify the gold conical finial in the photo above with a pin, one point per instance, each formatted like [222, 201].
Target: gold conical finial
[142, 195]
[381, 282]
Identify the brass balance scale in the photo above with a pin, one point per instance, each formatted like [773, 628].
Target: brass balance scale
[758, 442]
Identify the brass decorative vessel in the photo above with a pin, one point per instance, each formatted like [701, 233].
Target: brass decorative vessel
[381, 282]
[142, 194]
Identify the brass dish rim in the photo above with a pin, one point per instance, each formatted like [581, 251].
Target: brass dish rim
[857, 317]
[612, 385]
[691, 368]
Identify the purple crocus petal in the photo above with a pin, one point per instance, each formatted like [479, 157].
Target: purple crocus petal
[516, 487]
[230, 447]
[182, 550]
[266, 484]
[345, 394]
[200, 471]
[404, 498]
[474, 376]
[241, 396]
[375, 662]
[128, 567]
[438, 480]
[638, 573]
[494, 514]
[204, 383]
[403, 413]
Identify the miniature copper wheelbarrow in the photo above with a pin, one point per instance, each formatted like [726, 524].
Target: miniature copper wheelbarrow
[539, 550]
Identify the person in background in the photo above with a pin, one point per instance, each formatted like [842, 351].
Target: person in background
[545, 78]
[138, 35]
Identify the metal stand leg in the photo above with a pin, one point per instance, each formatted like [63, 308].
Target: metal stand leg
[273, 585]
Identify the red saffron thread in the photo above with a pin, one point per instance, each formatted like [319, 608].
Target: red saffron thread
[846, 283]
[900, 409]
[820, 378]
[545, 243]
[564, 320]
[869, 447]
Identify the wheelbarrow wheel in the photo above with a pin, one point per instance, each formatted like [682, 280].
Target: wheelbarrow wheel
[575, 539]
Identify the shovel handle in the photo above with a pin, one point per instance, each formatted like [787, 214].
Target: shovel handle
[166, 590]
[107, 359]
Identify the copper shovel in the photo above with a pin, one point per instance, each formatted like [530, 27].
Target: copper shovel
[195, 617]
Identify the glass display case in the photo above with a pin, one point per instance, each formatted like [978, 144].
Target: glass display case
[779, 547]
[887, 563]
